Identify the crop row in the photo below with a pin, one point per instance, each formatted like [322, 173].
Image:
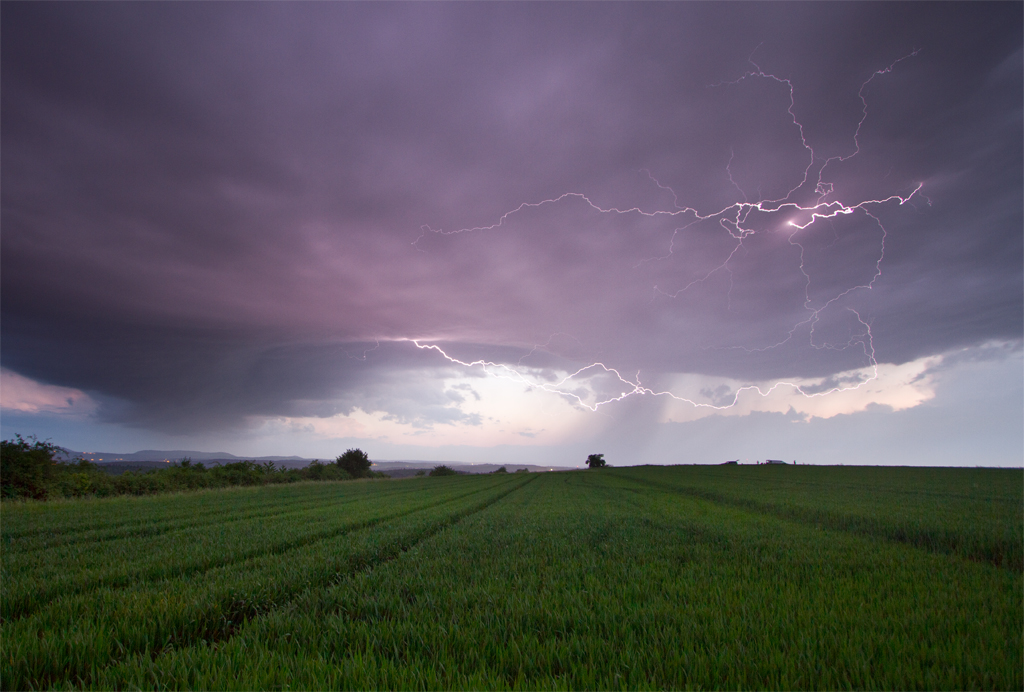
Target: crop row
[34, 526]
[72, 638]
[320, 497]
[33, 579]
[981, 518]
[597, 581]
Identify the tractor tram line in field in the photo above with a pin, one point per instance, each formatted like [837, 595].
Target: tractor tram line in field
[155, 529]
[56, 534]
[1001, 548]
[361, 564]
[191, 554]
[613, 579]
[67, 641]
[99, 543]
[590, 581]
[22, 593]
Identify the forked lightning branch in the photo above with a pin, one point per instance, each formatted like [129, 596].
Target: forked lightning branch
[812, 200]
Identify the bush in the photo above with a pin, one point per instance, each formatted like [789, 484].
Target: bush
[238, 473]
[443, 470]
[142, 483]
[501, 470]
[596, 461]
[317, 471]
[355, 462]
[79, 479]
[27, 470]
[188, 475]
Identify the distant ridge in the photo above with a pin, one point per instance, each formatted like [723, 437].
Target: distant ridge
[175, 455]
[387, 466]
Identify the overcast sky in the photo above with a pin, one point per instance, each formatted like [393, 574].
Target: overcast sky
[668, 232]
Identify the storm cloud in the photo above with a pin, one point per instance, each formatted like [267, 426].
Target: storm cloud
[219, 211]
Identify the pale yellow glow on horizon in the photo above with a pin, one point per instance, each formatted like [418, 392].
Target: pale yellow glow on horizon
[510, 413]
[896, 386]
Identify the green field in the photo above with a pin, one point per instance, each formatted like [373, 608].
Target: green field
[627, 578]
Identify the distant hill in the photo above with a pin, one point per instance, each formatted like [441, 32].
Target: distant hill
[154, 458]
[176, 455]
[388, 466]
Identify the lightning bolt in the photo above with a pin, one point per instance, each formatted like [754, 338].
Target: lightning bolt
[633, 387]
[366, 351]
[733, 220]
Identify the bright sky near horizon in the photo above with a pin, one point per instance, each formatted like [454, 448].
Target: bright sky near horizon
[667, 232]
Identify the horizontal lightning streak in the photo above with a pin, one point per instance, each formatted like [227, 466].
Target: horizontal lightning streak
[506, 372]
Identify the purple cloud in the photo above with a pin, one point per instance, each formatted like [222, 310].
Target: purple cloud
[217, 211]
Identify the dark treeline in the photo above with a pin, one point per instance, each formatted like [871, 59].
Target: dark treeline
[31, 469]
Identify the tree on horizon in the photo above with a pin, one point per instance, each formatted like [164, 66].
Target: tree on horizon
[356, 462]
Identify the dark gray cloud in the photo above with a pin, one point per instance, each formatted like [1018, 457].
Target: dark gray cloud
[211, 211]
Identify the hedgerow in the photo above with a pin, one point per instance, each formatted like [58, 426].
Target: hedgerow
[33, 469]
